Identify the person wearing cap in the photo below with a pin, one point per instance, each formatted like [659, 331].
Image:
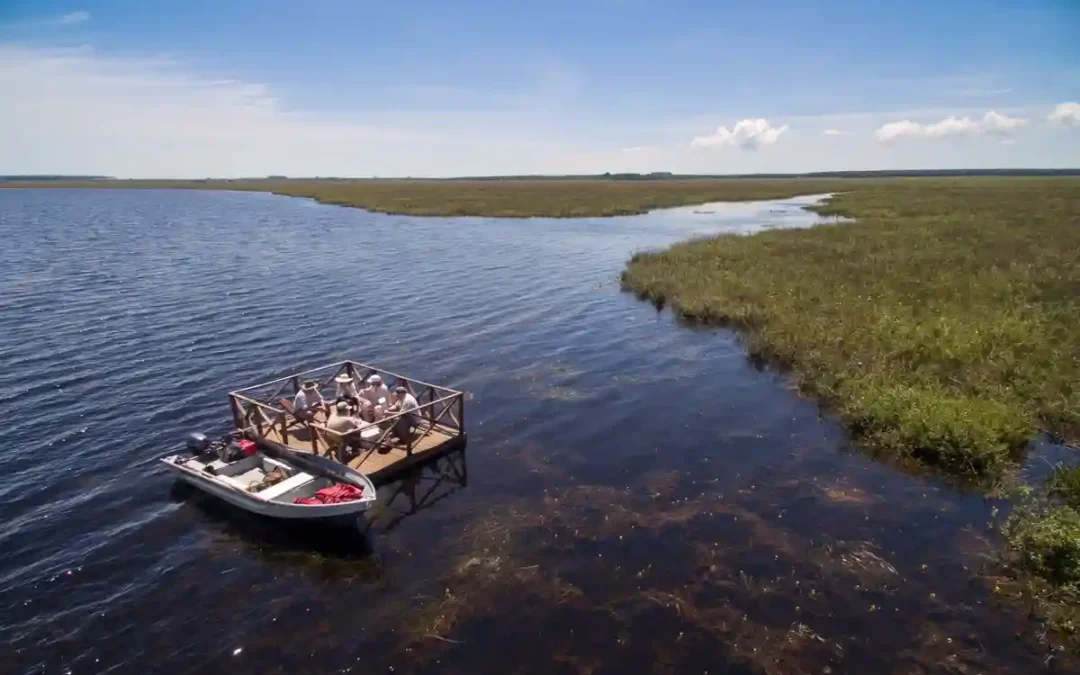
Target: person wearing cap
[308, 402]
[373, 399]
[404, 402]
[341, 420]
[347, 391]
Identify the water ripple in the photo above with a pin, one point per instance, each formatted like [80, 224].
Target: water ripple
[129, 315]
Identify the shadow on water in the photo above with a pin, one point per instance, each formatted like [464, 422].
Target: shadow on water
[344, 539]
[422, 488]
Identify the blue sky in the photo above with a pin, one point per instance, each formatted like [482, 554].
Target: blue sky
[462, 88]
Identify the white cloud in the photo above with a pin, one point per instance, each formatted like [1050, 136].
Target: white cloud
[991, 123]
[79, 111]
[1001, 125]
[72, 18]
[748, 134]
[835, 132]
[1065, 115]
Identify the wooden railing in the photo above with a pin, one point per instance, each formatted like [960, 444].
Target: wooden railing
[257, 409]
[443, 414]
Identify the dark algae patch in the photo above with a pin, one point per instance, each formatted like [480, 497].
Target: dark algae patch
[941, 322]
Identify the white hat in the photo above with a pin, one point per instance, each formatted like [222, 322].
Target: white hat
[343, 378]
[374, 378]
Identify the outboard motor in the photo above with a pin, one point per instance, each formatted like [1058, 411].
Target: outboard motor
[197, 443]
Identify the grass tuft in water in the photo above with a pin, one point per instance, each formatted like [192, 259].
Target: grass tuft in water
[1045, 543]
[1064, 484]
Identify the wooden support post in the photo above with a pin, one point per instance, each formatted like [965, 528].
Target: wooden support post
[237, 414]
[258, 420]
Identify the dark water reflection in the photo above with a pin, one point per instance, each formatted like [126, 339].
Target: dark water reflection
[636, 496]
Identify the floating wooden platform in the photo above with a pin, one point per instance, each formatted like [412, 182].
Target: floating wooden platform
[263, 411]
[385, 463]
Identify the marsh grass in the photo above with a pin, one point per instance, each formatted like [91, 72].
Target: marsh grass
[501, 198]
[941, 323]
[1064, 484]
[1044, 548]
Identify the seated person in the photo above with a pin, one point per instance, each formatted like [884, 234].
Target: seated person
[347, 391]
[308, 402]
[404, 402]
[341, 420]
[373, 399]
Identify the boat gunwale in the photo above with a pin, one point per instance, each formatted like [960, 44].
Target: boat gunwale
[369, 498]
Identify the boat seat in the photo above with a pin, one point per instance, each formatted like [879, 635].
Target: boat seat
[233, 481]
[284, 486]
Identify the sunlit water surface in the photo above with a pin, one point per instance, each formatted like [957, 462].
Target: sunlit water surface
[636, 496]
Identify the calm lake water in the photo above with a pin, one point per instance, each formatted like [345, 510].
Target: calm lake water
[636, 497]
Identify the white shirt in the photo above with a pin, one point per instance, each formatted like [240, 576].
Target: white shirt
[307, 399]
[406, 403]
[373, 393]
[347, 389]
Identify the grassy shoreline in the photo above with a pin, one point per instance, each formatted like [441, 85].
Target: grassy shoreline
[941, 323]
[554, 198]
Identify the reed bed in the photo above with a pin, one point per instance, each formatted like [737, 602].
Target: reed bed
[940, 321]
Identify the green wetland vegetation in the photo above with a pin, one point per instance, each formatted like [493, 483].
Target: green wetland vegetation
[940, 322]
[510, 198]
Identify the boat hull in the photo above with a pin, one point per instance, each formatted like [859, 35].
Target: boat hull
[264, 507]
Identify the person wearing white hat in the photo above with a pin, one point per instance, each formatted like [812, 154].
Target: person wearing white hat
[347, 391]
[308, 402]
[374, 398]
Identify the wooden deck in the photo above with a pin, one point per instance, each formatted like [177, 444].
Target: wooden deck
[384, 464]
[263, 411]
